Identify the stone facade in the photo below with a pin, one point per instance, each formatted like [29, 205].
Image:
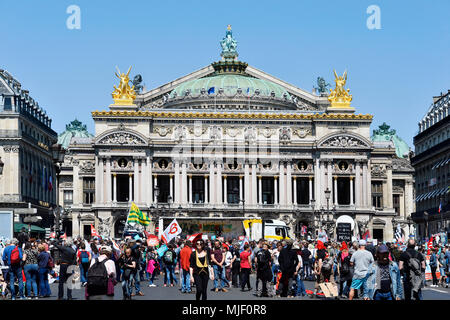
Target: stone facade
[26, 139]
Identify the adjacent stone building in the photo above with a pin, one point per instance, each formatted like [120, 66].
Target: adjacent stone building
[26, 140]
[432, 165]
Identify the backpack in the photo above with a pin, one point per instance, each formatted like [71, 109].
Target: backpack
[168, 257]
[50, 263]
[327, 264]
[15, 256]
[97, 278]
[84, 257]
[345, 267]
[262, 260]
[415, 272]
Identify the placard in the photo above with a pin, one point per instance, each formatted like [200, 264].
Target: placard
[344, 232]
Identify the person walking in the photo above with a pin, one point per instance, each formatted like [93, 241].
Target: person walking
[236, 267]
[246, 267]
[344, 271]
[12, 256]
[45, 263]
[218, 260]
[434, 266]
[288, 260]
[84, 262]
[169, 259]
[361, 260]
[101, 278]
[129, 266]
[67, 256]
[412, 264]
[31, 269]
[263, 268]
[199, 270]
[185, 259]
[383, 278]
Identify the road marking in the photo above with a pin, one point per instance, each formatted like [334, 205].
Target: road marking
[441, 291]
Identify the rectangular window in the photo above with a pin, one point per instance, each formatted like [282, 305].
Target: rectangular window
[88, 190]
[396, 203]
[377, 194]
[68, 197]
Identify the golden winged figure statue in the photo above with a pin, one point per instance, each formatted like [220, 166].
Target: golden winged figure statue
[339, 97]
[124, 94]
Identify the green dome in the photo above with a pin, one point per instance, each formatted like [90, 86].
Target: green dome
[230, 84]
[384, 134]
[74, 129]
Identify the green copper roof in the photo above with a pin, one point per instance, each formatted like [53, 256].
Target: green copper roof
[230, 83]
[384, 134]
[73, 129]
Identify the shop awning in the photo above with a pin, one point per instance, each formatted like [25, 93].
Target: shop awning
[18, 228]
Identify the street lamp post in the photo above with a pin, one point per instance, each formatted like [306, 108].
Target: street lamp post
[425, 217]
[79, 224]
[58, 159]
[313, 202]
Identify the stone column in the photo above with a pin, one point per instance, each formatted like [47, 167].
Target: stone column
[219, 193]
[358, 184]
[330, 176]
[101, 182]
[281, 184]
[190, 189]
[335, 191]
[184, 183]
[144, 181]
[247, 184]
[212, 187]
[351, 191]
[389, 186]
[310, 190]
[317, 181]
[254, 200]
[177, 198]
[294, 179]
[289, 184]
[364, 186]
[240, 188]
[136, 181]
[206, 189]
[97, 181]
[149, 178]
[155, 184]
[130, 191]
[260, 189]
[225, 196]
[275, 184]
[171, 186]
[108, 179]
[114, 187]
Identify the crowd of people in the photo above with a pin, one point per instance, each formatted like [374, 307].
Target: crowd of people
[357, 269]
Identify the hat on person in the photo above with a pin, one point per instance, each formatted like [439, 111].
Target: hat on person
[383, 249]
[105, 248]
[369, 240]
[362, 242]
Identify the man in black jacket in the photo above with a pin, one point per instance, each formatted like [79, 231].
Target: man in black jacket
[67, 257]
[288, 261]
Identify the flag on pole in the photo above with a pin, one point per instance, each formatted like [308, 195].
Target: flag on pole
[398, 233]
[430, 245]
[245, 241]
[440, 207]
[137, 216]
[172, 230]
[304, 230]
[50, 183]
[94, 232]
[193, 238]
[366, 235]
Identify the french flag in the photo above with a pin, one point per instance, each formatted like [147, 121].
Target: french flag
[440, 207]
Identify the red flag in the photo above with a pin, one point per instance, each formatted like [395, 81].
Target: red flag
[94, 232]
[366, 235]
[52, 235]
[430, 245]
[195, 237]
[152, 240]
[64, 236]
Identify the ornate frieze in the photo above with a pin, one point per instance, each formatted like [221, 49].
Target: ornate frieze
[87, 167]
[344, 141]
[378, 171]
[232, 131]
[302, 132]
[267, 132]
[250, 135]
[215, 133]
[180, 133]
[163, 131]
[285, 135]
[122, 138]
[197, 130]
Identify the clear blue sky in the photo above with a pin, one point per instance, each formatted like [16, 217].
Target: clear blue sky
[393, 72]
